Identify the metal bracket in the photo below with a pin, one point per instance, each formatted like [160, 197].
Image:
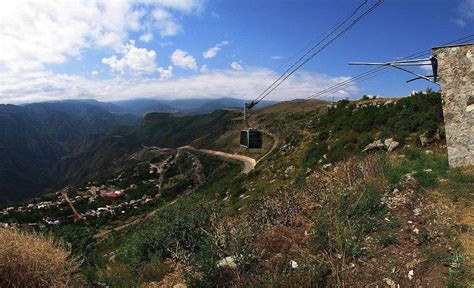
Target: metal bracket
[432, 61]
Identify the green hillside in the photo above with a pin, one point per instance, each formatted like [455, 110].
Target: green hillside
[328, 206]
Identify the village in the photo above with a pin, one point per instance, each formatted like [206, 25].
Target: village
[99, 200]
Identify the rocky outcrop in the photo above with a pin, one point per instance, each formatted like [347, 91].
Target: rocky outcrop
[227, 262]
[425, 140]
[389, 145]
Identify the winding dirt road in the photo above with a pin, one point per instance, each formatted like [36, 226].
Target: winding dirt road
[249, 163]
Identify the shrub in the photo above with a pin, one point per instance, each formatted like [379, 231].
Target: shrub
[34, 260]
[388, 239]
[176, 231]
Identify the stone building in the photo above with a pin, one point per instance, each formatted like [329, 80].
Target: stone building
[456, 76]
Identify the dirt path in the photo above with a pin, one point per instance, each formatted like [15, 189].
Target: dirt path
[249, 163]
[276, 142]
[70, 204]
[197, 168]
[165, 165]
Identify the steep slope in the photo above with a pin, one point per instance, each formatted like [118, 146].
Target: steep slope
[316, 212]
[96, 115]
[100, 154]
[34, 137]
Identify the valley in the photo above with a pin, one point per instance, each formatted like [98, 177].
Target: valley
[203, 143]
[320, 204]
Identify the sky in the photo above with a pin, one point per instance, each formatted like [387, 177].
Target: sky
[174, 49]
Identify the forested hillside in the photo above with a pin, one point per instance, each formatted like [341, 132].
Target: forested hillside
[33, 138]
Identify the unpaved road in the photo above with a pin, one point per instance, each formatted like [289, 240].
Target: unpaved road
[71, 205]
[249, 163]
[276, 142]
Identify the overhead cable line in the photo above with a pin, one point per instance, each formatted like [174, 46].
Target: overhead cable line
[325, 37]
[379, 70]
[354, 22]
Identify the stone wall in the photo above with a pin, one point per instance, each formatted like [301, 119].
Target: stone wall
[456, 72]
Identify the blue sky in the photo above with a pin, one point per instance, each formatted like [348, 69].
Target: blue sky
[114, 50]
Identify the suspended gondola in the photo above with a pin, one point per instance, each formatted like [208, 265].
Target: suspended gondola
[250, 138]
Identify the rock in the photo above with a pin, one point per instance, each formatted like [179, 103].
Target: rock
[417, 211]
[227, 262]
[391, 144]
[411, 273]
[376, 145]
[390, 282]
[289, 169]
[294, 264]
[429, 152]
[425, 140]
[326, 166]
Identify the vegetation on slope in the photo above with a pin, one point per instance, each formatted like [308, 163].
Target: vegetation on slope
[157, 129]
[381, 219]
[33, 260]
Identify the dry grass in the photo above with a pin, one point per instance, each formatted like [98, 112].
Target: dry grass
[32, 260]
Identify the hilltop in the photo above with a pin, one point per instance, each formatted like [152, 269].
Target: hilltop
[352, 193]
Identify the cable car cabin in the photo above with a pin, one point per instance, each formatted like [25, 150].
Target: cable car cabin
[251, 138]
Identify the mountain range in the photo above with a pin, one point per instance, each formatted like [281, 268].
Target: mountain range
[183, 106]
[35, 137]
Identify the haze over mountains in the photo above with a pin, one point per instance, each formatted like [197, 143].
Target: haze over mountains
[35, 137]
[183, 106]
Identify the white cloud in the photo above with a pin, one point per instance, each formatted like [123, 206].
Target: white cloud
[204, 69]
[94, 73]
[184, 6]
[165, 22]
[465, 13]
[46, 86]
[134, 59]
[183, 60]
[276, 57]
[166, 74]
[212, 52]
[35, 33]
[48, 32]
[236, 66]
[147, 37]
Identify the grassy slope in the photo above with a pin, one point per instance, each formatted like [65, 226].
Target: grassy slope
[333, 223]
